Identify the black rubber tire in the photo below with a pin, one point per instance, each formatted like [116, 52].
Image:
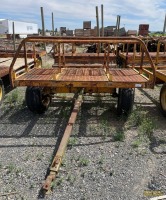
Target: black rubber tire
[36, 101]
[163, 99]
[1, 91]
[125, 101]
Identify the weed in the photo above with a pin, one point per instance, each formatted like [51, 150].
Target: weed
[27, 157]
[63, 163]
[135, 117]
[83, 162]
[142, 121]
[119, 136]
[136, 143]
[53, 184]
[31, 186]
[101, 160]
[59, 181]
[13, 98]
[39, 156]
[147, 127]
[17, 171]
[72, 141]
[10, 168]
[106, 129]
[71, 178]
[143, 152]
[162, 140]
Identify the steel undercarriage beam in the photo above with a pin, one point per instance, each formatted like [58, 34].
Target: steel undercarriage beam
[62, 147]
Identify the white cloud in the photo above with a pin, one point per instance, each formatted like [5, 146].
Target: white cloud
[72, 13]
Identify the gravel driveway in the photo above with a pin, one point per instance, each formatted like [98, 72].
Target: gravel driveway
[108, 157]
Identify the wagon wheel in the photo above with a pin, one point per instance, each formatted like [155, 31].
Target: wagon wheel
[125, 101]
[36, 100]
[1, 91]
[163, 99]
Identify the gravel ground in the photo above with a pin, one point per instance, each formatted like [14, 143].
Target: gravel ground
[107, 157]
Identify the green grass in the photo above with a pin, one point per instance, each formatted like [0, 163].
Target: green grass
[147, 127]
[72, 141]
[14, 98]
[142, 121]
[71, 178]
[119, 136]
[82, 162]
[10, 168]
[136, 143]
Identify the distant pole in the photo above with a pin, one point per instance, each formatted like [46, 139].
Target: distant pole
[53, 24]
[117, 25]
[42, 18]
[164, 25]
[43, 27]
[97, 21]
[102, 20]
[14, 38]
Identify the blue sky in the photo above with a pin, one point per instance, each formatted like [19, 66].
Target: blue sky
[72, 13]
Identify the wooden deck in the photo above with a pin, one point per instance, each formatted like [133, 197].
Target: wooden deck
[2, 60]
[79, 77]
[126, 75]
[19, 62]
[30, 54]
[161, 74]
[136, 57]
[6, 62]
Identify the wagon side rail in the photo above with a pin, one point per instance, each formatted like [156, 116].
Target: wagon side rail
[14, 73]
[86, 40]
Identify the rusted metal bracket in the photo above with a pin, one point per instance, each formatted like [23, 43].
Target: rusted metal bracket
[62, 147]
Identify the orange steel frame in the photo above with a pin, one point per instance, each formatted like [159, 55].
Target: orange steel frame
[79, 78]
[63, 77]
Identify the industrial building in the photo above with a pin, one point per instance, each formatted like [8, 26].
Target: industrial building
[20, 28]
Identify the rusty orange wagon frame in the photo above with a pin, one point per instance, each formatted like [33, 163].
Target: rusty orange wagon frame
[80, 72]
[73, 71]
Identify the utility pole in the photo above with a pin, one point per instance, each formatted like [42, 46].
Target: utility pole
[164, 25]
[43, 27]
[97, 21]
[53, 24]
[14, 38]
[102, 21]
[117, 25]
[42, 18]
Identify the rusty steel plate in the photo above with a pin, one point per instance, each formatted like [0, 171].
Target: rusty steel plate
[39, 74]
[82, 74]
[137, 55]
[126, 75]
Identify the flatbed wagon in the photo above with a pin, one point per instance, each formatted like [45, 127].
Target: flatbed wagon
[159, 59]
[5, 62]
[79, 73]
[72, 72]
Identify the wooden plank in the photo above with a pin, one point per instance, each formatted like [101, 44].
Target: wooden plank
[19, 62]
[126, 75]
[2, 60]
